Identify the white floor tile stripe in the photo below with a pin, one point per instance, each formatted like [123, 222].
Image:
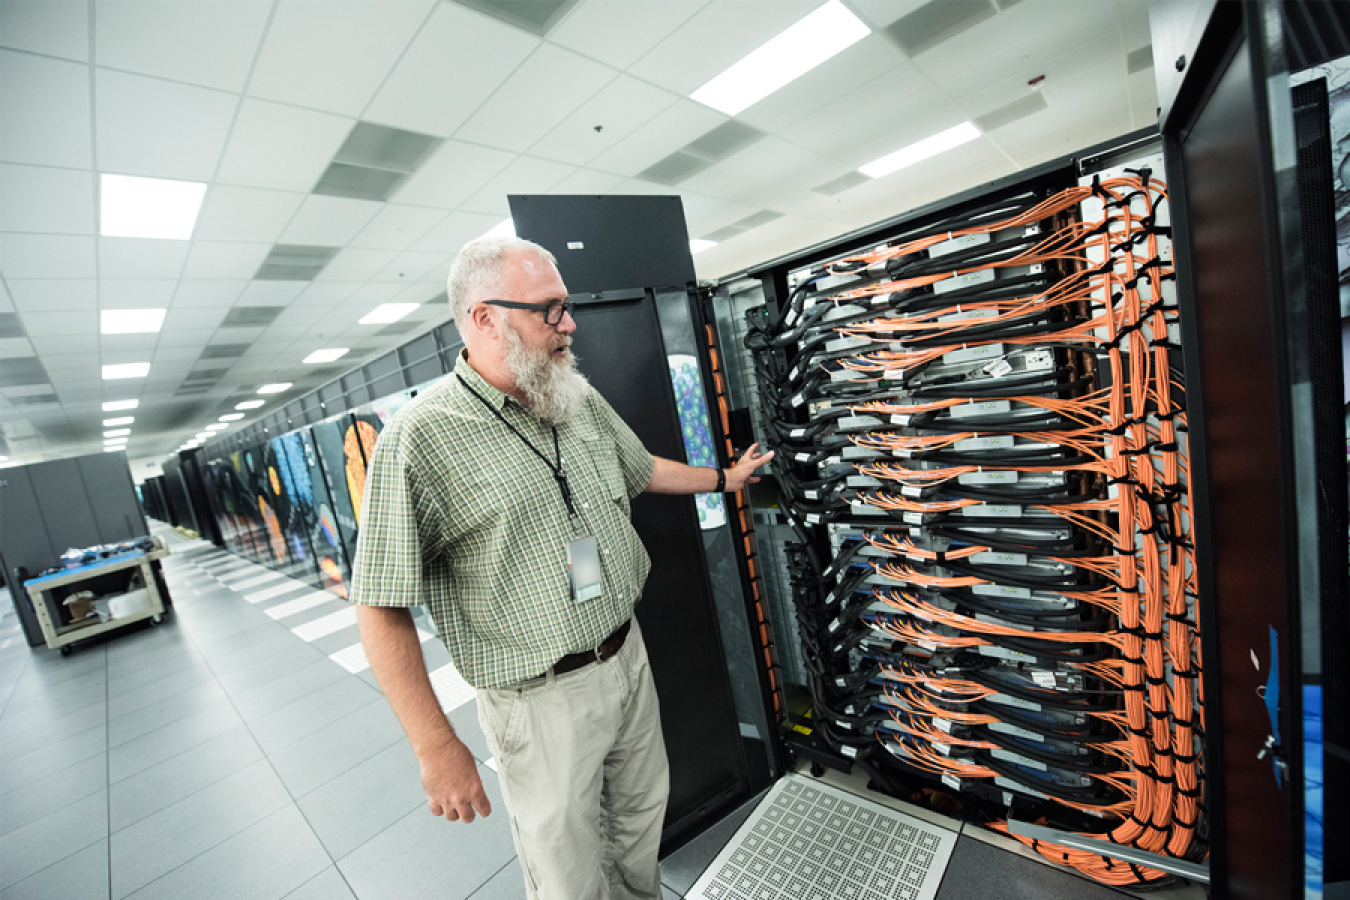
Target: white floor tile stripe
[312, 631]
[299, 604]
[257, 580]
[452, 690]
[275, 590]
[353, 658]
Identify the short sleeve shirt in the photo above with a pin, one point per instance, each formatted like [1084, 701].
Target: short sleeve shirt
[460, 516]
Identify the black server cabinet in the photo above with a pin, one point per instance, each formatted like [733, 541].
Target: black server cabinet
[1267, 530]
[617, 255]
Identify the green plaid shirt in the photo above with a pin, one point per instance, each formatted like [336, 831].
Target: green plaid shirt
[459, 515]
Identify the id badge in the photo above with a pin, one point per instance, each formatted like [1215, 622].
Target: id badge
[583, 567]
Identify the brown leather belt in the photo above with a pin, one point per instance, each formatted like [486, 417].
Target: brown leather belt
[608, 647]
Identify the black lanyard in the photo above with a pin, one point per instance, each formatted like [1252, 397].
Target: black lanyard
[557, 469]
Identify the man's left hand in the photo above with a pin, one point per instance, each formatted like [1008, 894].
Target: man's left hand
[743, 472]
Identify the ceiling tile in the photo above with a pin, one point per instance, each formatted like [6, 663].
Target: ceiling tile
[771, 163]
[74, 322]
[46, 256]
[587, 181]
[281, 147]
[40, 199]
[270, 293]
[208, 292]
[456, 230]
[140, 258]
[159, 129]
[54, 294]
[13, 348]
[657, 139]
[333, 54]
[455, 63]
[326, 293]
[212, 259]
[1015, 44]
[411, 267]
[45, 108]
[245, 214]
[206, 42]
[716, 36]
[54, 29]
[75, 344]
[453, 174]
[527, 175]
[618, 32]
[546, 88]
[329, 221]
[136, 293]
[356, 265]
[617, 110]
[397, 227]
[184, 318]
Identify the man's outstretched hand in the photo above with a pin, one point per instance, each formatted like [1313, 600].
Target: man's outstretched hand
[450, 778]
[743, 472]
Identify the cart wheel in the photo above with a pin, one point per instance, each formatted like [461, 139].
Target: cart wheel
[65, 651]
[157, 618]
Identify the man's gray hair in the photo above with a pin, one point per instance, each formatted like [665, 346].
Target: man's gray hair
[476, 273]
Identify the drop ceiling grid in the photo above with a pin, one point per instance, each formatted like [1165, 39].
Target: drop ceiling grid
[216, 268]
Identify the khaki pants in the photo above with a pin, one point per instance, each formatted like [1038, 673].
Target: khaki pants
[584, 775]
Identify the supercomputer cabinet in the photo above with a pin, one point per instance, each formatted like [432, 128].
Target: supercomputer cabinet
[1055, 535]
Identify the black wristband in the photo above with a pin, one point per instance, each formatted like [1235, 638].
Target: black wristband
[721, 481]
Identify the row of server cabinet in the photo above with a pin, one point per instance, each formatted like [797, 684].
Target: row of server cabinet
[1055, 534]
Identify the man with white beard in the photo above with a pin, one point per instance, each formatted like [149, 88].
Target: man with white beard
[500, 500]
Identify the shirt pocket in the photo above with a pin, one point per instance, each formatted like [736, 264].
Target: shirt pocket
[603, 456]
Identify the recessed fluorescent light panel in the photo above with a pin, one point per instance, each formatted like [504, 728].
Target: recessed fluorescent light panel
[120, 420]
[126, 370]
[115, 442]
[921, 150]
[117, 432]
[148, 207]
[697, 245]
[113, 449]
[822, 34]
[386, 313]
[231, 417]
[131, 321]
[274, 388]
[203, 435]
[117, 405]
[249, 404]
[325, 356]
[217, 426]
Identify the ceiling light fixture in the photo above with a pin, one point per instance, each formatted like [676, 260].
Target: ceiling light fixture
[805, 45]
[921, 150]
[231, 417]
[114, 448]
[126, 370]
[323, 356]
[274, 388]
[120, 420]
[387, 312]
[698, 245]
[250, 404]
[203, 435]
[217, 426]
[116, 405]
[114, 441]
[148, 207]
[131, 321]
[117, 432]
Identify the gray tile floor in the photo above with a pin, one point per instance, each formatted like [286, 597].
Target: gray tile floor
[242, 749]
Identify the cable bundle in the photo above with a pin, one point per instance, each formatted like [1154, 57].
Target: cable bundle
[981, 423]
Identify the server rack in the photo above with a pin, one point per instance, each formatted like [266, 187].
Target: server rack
[1238, 521]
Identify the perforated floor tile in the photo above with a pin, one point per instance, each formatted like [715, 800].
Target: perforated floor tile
[810, 841]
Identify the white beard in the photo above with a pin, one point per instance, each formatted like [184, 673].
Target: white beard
[554, 389]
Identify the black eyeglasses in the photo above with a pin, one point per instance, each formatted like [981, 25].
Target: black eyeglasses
[553, 312]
